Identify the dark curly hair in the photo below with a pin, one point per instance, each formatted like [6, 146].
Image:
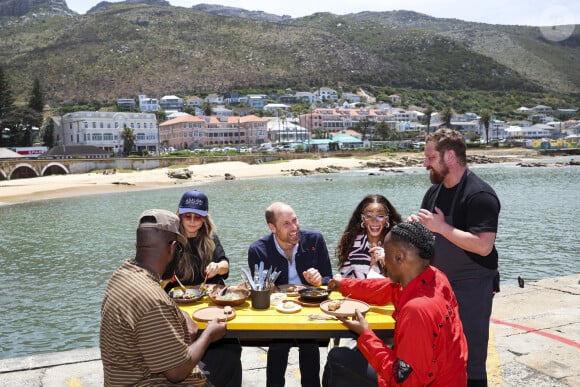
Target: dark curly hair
[416, 235]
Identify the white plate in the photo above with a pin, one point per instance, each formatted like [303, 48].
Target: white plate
[281, 308]
[277, 298]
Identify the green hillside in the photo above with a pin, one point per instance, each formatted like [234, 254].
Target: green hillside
[125, 50]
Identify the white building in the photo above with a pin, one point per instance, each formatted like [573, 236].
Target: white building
[148, 104]
[171, 102]
[326, 94]
[283, 130]
[273, 107]
[103, 130]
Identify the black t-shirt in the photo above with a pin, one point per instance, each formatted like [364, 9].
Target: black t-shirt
[476, 210]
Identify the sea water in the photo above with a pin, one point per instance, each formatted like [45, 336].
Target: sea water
[56, 256]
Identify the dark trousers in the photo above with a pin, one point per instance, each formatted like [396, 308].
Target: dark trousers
[348, 367]
[308, 358]
[222, 363]
[475, 297]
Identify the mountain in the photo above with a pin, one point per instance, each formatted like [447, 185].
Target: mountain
[222, 10]
[105, 4]
[125, 49]
[18, 8]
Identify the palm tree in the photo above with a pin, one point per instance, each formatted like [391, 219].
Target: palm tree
[485, 119]
[128, 137]
[446, 115]
[428, 113]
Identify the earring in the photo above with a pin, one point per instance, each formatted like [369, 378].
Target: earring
[362, 224]
[387, 225]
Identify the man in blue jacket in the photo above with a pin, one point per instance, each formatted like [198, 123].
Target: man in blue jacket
[302, 257]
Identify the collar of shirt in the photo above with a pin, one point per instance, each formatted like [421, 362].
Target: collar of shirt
[281, 251]
[293, 277]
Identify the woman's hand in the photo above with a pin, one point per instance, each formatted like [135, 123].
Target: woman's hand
[212, 269]
[377, 256]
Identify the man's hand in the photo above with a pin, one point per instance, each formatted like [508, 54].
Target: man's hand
[434, 221]
[334, 283]
[313, 277]
[358, 325]
[215, 329]
[192, 327]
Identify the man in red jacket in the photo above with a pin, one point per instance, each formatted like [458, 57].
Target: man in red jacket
[429, 346]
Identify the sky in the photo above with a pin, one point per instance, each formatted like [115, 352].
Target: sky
[511, 12]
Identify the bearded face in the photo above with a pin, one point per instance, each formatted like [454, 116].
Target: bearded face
[435, 164]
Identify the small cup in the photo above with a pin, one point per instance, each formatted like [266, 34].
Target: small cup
[260, 299]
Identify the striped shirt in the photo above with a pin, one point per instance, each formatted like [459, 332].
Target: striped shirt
[358, 262]
[143, 332]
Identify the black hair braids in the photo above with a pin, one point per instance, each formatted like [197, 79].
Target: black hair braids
[417, 235]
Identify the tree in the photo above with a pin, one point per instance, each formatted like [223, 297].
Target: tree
[383, 130]
[19, 123]
[6, 107]
[48, 134]
[128, 137]
[36, 100]
[446, 115]
[428, 114]
[206, 108]
[485, 119]
[362, 127]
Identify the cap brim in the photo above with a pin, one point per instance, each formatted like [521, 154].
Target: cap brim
[191, 210]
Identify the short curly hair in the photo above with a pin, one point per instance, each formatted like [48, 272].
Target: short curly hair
[417, 235]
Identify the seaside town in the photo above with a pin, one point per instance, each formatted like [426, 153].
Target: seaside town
[334, 121]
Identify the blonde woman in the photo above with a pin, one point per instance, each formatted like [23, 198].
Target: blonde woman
[204, 255]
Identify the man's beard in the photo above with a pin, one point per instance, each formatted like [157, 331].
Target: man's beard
[438, 177]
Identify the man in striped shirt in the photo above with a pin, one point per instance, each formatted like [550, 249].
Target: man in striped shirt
[145, 339]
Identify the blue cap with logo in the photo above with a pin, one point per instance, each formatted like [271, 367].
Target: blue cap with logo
[193, 201]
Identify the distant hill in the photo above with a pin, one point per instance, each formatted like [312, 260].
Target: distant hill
[124, 49]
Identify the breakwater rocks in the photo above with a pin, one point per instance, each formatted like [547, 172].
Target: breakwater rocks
[307, 172]
[540, 164]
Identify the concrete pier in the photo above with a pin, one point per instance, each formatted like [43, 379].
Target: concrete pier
[534, 341]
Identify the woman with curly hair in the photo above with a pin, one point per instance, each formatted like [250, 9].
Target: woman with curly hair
[359, 250]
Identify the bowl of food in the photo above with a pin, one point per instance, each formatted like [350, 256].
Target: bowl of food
[313, 294]
[187, 295]
[229, 296]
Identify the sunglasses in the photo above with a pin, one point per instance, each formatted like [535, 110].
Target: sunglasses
[192, 217]
[378, 218]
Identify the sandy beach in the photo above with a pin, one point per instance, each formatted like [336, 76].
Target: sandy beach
[58, 186]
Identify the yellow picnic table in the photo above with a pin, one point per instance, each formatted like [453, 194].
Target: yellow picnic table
[307, 323]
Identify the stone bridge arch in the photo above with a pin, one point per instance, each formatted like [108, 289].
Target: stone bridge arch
[54, 168]
[23, 171]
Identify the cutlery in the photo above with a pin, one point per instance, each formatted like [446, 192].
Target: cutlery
[179, 283]
[249, 278]
[260, 275]
[202, 286]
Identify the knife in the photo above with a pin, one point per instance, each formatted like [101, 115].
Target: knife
[249, 277]
[261, 275]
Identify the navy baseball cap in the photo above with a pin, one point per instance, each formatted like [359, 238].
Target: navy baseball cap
[193, 201]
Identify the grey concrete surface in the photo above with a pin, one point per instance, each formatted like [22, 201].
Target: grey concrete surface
[534, 341]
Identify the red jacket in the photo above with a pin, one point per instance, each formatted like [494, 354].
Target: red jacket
[429, 346]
